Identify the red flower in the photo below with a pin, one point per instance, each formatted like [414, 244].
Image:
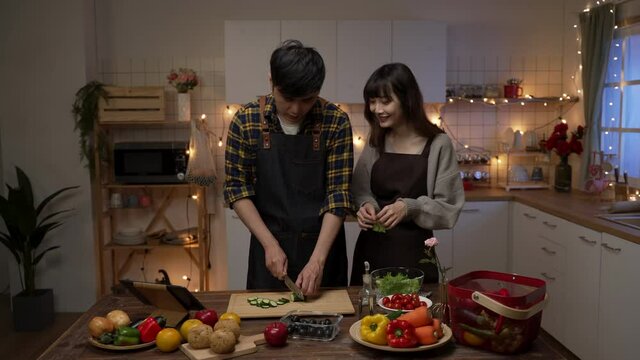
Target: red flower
[558, 140]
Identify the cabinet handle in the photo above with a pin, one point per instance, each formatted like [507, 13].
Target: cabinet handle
[584, 238]
[549, 225]
[529, 216]
[470, 210]
[606, 246]
[546, 276]
[550, 252]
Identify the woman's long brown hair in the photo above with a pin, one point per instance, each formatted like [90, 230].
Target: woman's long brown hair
[397, 79]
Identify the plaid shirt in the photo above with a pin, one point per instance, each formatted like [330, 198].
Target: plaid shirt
[242, 145]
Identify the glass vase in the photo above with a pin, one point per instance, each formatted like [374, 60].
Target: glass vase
[441, 310]
[563, 176]
[184, 107]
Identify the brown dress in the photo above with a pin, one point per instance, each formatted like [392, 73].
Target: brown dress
[395, 176]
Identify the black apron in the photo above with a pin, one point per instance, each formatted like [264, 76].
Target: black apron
[396, 176]
[290, 191]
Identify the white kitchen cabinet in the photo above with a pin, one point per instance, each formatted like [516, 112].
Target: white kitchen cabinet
[619, 294]
[422, 45]
[351, 50]
[248, 45]
[480, 238]
[539, 252]
[238, 239]
[321, 35]
[582, 290]
[363, 46]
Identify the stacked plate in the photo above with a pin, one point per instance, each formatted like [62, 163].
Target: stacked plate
[129, 237]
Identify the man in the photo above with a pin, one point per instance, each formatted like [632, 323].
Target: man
[288, 164]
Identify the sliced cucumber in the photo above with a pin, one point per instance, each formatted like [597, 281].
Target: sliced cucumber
[273, 303]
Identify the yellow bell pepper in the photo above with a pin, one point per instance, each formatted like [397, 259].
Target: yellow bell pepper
[373, 329]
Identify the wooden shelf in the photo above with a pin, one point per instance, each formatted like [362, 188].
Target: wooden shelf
[113, 246]
[550, 100]
[524, 185]
[155, 186]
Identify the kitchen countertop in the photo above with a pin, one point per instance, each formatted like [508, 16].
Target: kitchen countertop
[577, 207]
[73, 344]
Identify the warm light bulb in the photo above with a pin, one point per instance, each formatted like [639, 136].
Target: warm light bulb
[485, 99]
[575, 26]
[563, 121]
[450, 100]
[203, 116]
[471, 101]
[194, 197]
[606, 133]
[187, 152]
[220, 142]
[196, 290]
[545, 104]
[499, 161]
[615, 58]
[522, 103]
[184, 277]
[229, 111]
[466, 146]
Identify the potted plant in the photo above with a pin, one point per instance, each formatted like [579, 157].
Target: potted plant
[85, 114]
[26, 228]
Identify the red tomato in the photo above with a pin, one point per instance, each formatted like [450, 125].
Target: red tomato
[423, 303]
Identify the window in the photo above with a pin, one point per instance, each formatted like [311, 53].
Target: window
[620, 122]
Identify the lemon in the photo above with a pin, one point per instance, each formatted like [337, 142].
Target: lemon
[472, 339]
[187, 325]
[230, 316]
[168, 340]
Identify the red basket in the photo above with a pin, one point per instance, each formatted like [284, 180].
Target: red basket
[496, 311]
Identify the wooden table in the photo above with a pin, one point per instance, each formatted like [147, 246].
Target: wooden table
[73, 343]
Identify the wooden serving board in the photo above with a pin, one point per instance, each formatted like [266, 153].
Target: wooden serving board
[337, 301]
[246, 345]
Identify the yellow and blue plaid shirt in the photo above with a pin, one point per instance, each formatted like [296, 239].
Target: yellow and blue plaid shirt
[243, 140]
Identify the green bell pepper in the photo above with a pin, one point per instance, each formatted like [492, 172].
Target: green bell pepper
[127, 336]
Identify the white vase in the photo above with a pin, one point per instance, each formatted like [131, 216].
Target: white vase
[184, 107]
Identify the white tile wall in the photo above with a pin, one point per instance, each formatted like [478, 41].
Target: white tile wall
[478, 125]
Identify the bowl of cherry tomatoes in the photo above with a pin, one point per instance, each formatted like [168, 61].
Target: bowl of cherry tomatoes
[404, 302]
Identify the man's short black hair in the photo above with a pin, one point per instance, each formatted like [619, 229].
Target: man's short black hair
[296, 70]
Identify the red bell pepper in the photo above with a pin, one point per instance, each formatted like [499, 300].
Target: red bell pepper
[401, 334]
[149, 328]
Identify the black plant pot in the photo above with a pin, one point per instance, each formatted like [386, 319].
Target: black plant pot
[33, 312]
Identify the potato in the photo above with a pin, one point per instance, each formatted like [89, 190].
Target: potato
[119, 318]
[100, 325]
[223, 341]
[200, 336]
[230, 325]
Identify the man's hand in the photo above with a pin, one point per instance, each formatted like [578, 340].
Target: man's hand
[310, 278]
[276, 260]
[392, 214]
[366, 216]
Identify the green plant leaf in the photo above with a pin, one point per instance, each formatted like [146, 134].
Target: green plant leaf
[48, 217]
[11, 245]
[37, 259]
[51, 197]
[40, 232]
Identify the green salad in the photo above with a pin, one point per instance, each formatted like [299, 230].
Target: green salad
[397, 284]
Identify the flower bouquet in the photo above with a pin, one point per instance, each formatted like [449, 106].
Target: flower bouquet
[559, 142]
[183, 80]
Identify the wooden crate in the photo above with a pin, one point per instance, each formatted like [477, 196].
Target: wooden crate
[132, 104]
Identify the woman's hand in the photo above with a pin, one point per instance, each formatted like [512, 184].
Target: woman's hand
[392, 214]
[310, 278]
[276, 261]
[366, 216]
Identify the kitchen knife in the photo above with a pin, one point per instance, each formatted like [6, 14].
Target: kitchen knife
[293, 287]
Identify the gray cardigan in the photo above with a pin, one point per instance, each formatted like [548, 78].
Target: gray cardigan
[438, 210]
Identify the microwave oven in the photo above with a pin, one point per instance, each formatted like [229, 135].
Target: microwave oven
[150, 162]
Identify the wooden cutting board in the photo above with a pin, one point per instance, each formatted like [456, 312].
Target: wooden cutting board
[246, 345]
[336, 301]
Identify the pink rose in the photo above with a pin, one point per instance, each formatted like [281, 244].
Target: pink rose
[172, 76]
[431, 242]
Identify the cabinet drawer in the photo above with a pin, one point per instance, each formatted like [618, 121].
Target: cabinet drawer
[549, 255]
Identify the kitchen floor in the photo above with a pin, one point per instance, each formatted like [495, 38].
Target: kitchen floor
[28, 345]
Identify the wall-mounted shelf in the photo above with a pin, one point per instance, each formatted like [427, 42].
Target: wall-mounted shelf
[545, 101]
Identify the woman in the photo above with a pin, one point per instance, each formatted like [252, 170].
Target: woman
[407, 178]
